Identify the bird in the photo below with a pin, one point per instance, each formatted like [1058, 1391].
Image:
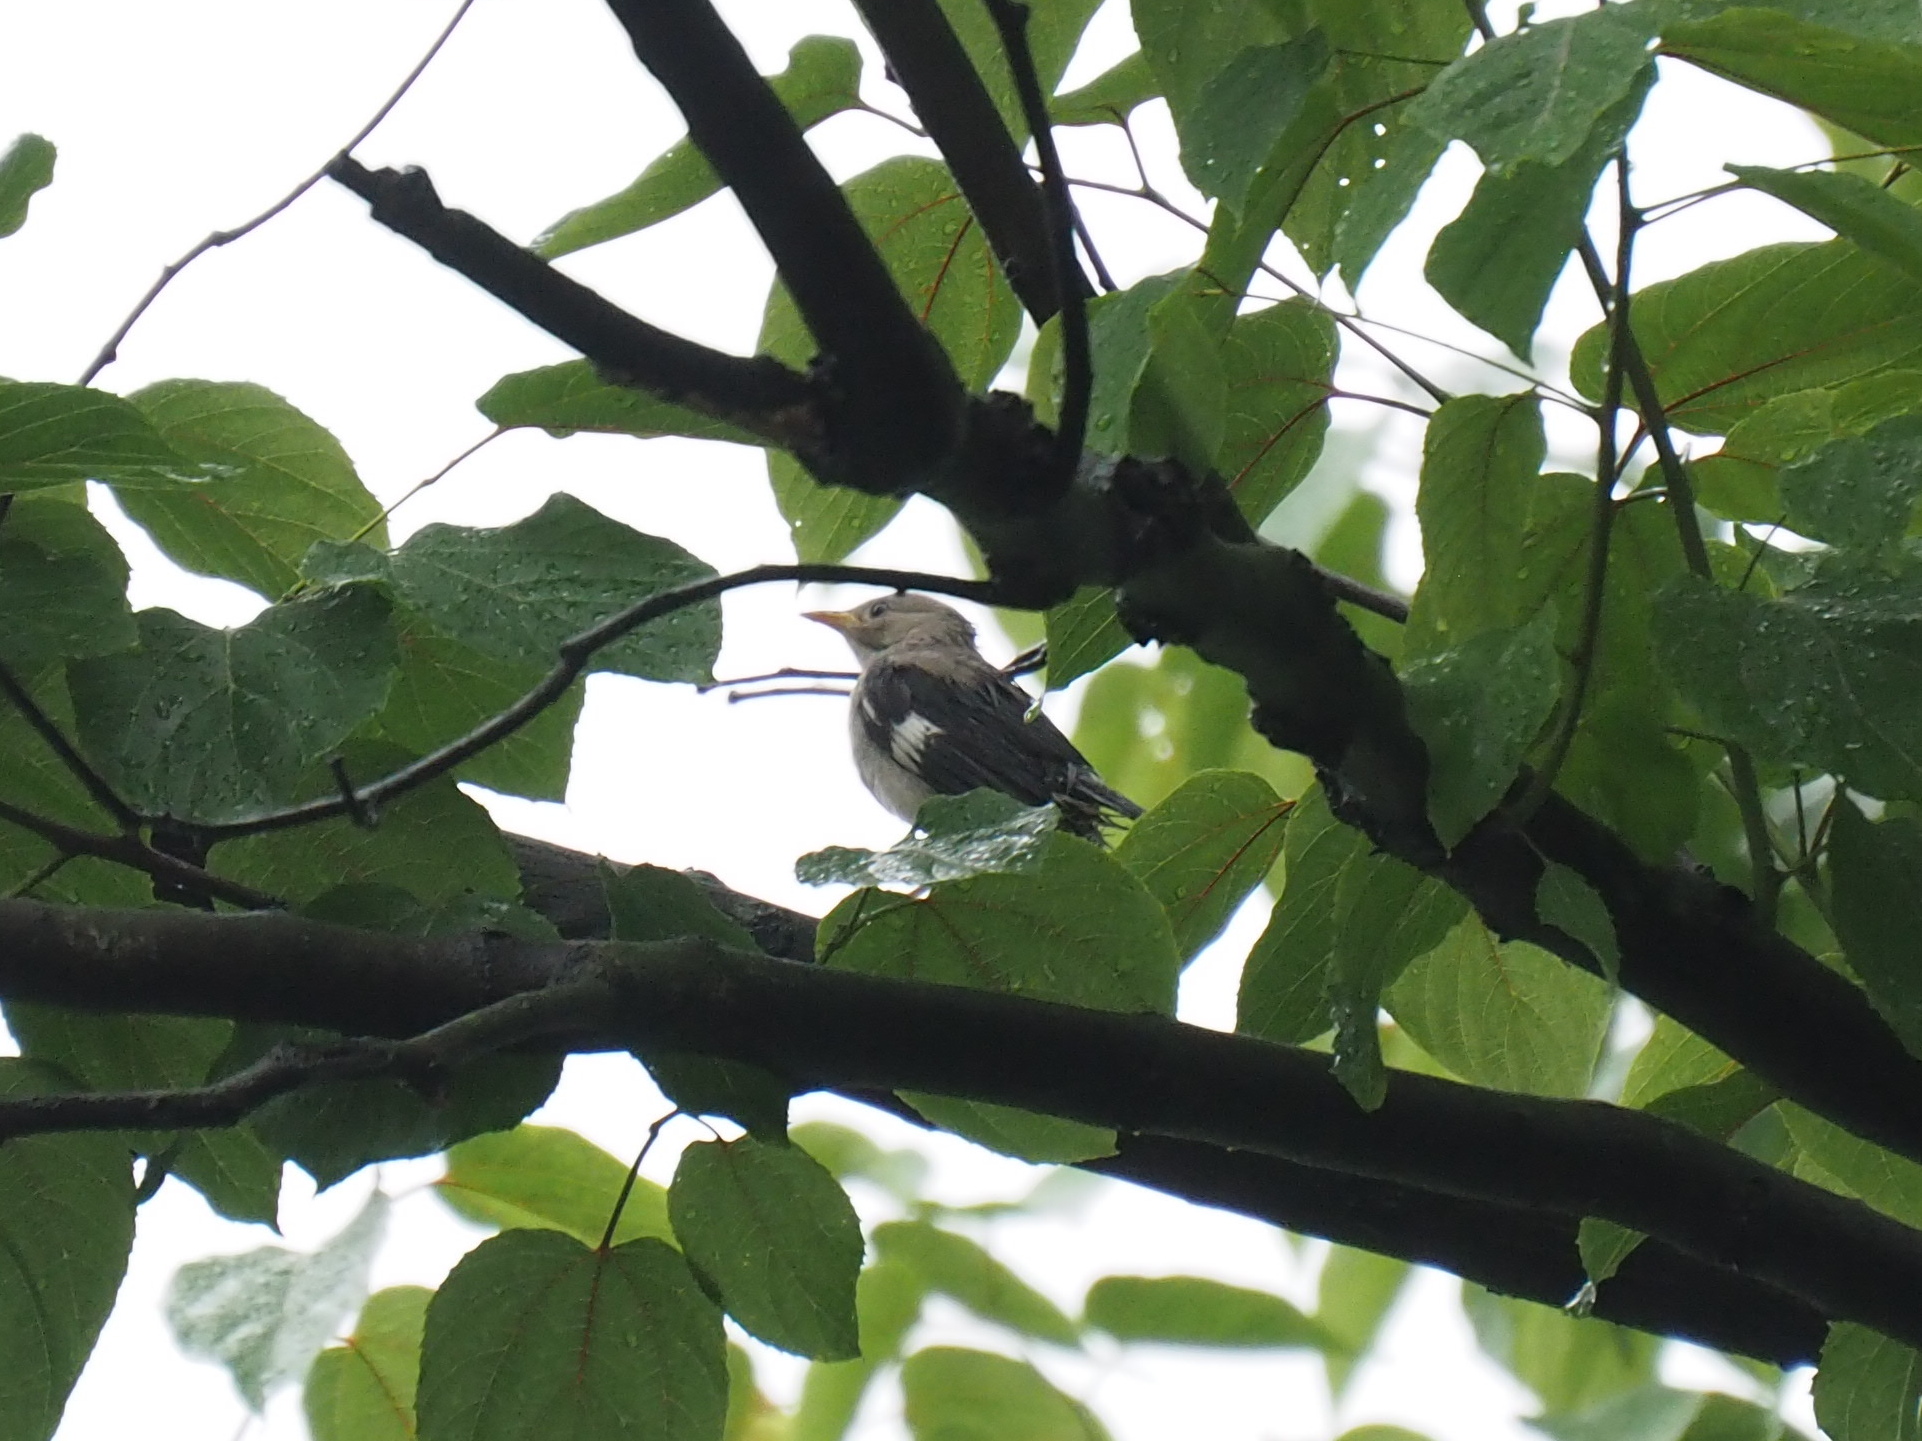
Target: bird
[930, 716]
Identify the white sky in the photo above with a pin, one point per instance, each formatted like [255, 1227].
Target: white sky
[173, 120]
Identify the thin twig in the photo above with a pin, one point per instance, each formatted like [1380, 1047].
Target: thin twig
[633, 1175]
[1077, 367]
[132, 852]
[111, 350]
[1388, 400]
[104, 795]
[735, 697]
[574, 655]
[786, 672]
[387, 511]
[41, 876]
[1346, 587]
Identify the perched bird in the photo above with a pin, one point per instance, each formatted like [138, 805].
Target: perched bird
[929, 716]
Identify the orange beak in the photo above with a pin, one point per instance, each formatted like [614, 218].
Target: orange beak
[840, 620]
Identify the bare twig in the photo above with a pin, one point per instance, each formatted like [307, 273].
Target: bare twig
[633, 1175]
[1346, 587]
[786, 672]
[387, 511]
[735, 697]
[574, 655]
[131, 851]
[111, 350]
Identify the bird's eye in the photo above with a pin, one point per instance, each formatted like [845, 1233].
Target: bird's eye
[878, 608]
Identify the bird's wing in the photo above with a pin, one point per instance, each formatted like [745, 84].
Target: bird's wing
[961, 725]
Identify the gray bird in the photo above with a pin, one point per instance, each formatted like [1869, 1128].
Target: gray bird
[929, 716]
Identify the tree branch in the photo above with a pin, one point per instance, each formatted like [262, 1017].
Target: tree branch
[130, 851]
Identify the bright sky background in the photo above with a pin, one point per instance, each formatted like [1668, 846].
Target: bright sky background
[173, 120]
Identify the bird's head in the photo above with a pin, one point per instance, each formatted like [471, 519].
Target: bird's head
[890, 620]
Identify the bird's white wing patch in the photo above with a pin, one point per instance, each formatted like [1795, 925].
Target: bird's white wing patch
[910, 737]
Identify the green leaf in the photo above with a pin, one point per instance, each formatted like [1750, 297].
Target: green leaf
[847, 1153]
[1078, 929]
[25, 170]
[1890, 1183]
[1041, 1140]
[1508, 1016]
[1569, 1362]
[1357, 1290]
[1865, 84]
[1649, 1413]
[283, 483]
[1054, 30]
[363, 1390]
[53, 434]
[652, 903]
[1722, 340]
[266, 1313]
[1877, 908]
[63, 583]
[1538, 94]
[1084, 634]
[957, 1395]
[66, 1227]
[888, 1299]
[444, 689]
[1202, 851]
[1192, 1311]
[1564, 898]
[823, 78]
[779, 1239]
[1825, 676]
[518, 591]
[958, 1268]
[1852, 207]
[212, 725]
[1479, 707]
[826, 522]
[234, 1172]
[535, 1336]
[548, 1178]
[1284, 985]
[1278, 367]
[1480, 460]
[980, 833]
[1859, 492]
[1179, 408]
[1239, 118]
[1498, 260]
[568, 398]
[1868, 1387]
[1110, 97]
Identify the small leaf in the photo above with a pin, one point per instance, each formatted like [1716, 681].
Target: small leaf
[1040, 1140]
[534, 1336]
[25, 170]
[1192, 1311]
[1277, 370]
[1538, 94]
[1890, 1183]
[546, 1177]
[958, 1268]
[1244, 112]
[1203, 850]
[779, 1239]
[1877, 911]
[363, 1390]
[1110, 98]
[1356, 1291]
[568, 398]
[1868, 1388]
[980, 833]
[1850, 206]
[63, 583]
[284, 482]
[1564, 898]
[1859, 492]
[212, 725]
[1479, 707]
[823, 78]
[847, 1153]
[266, 1313]
[1084, 634]
[652, 903]
[1569, 1362]
[1648, 1413]
[957, 1395]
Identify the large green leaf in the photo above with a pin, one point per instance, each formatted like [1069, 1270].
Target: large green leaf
[957, 1395]
[1826, 676]
[363, 1389]
[1852, 207]
[1278, 366]
[823, 78]
[1508, 1016]
[546, 1177]
[1242, 114]
[919, 222]
[214, 724]
[1203, 849]
[960, 1269]
[1874, 870]
[535, 1336]
[567, 398]
[66, 1227]
[266, 1313]
[63, 583]
[778, 1238]
[1858, 492]
[1355, 1292]
[1569, 1362]
[25, 170]
[1869, 1388]
[518, 591]
[284, 482]
[1478, 707]
[1890, 1183]
[954, 837]
[1868, 85]
[52, 434]
[1498, 260]
[1537, 94]
[888, 1299]
[1724, 339]
[1480, 459]
[1194, 1311]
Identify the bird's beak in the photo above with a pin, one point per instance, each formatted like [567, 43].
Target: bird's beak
[841, 620]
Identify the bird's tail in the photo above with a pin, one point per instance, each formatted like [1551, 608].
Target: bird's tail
[1088, 804]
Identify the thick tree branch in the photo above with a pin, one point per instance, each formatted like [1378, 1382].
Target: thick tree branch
[1136, 1073]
